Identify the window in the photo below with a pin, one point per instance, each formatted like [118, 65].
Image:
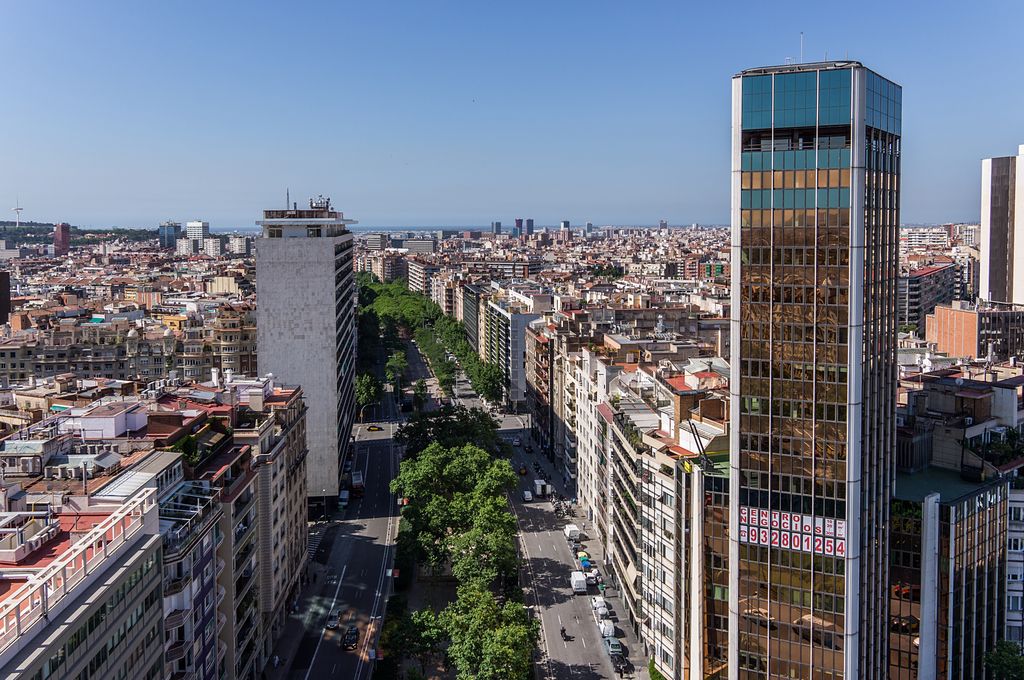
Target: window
[1014, 603]
[1015, 545]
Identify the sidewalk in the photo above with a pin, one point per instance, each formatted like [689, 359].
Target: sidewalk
[300, 618]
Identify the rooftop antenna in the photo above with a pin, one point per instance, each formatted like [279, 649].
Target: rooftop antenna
[801, 47]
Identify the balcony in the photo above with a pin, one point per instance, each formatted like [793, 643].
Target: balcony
[175, 586]
[243, 582]
[176, 651]
[175, 619]
[221, 592]
[242, 530]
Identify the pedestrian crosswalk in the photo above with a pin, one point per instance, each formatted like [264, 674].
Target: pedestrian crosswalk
[313, 542]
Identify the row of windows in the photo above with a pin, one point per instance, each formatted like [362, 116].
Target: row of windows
[795, 179]
[808, 217]
[787, 370]
[794, 199]
[794, 160]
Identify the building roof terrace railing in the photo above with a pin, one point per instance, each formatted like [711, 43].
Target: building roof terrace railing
[54, 586]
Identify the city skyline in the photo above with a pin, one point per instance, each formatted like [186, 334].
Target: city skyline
[454, 117]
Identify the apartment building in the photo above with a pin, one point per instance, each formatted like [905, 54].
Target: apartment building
[504, 343]
[920, 290]
[272, 422]
[306, 280]
[388, 266]
[977, 331]
[444, 289]
[420, 273]
[215, 475]
[1002, 219]
[62, 620]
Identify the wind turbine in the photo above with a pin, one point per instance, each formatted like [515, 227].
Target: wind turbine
[17, 213]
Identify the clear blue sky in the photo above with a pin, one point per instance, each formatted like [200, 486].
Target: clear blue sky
[435, 113]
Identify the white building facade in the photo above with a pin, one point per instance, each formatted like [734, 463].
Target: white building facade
[306, 329]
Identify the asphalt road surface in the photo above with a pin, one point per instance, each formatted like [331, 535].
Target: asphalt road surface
[352, 567]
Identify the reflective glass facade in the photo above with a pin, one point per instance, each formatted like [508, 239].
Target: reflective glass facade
[815, 219]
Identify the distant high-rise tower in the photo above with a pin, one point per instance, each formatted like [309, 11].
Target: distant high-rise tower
[529, 226]
[1002, 228]
[564, 225]
[815, 247]
[306, 329]
[197, 230]
[5, 296]
[169, 233]
[61, 239]
[519, 225]
[495, 227]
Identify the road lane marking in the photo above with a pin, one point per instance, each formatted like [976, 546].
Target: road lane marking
[382, 583]
[324, 630]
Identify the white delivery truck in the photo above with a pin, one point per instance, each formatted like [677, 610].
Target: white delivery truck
[540, 488]
[579, 582]
[572, 532]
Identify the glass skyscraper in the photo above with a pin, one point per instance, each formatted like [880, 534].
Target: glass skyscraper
[815, 218]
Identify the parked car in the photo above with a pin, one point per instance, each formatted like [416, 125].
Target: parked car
[598, 601]
[351, 639]
[517, 442]
[612, 646]
[527, 496]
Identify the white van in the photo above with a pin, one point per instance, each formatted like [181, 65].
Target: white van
[527, 496]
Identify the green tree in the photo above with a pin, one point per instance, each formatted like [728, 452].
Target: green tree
[1005, 661]
[490, 382]
[429, 638]
[368, 391]
[486, 554]
[450, 426]
[419, 394]
[446, 489]
[396, 366]
[489, 641]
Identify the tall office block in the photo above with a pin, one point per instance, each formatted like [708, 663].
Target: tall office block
[495, 227]
[5, 296]
[815, 215]
[529, 226]
[197, 229]
[169, 233]
[306, 328]
[61, 239]
[1002, 228]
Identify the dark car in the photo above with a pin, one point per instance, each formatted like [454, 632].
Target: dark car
[351, 638]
